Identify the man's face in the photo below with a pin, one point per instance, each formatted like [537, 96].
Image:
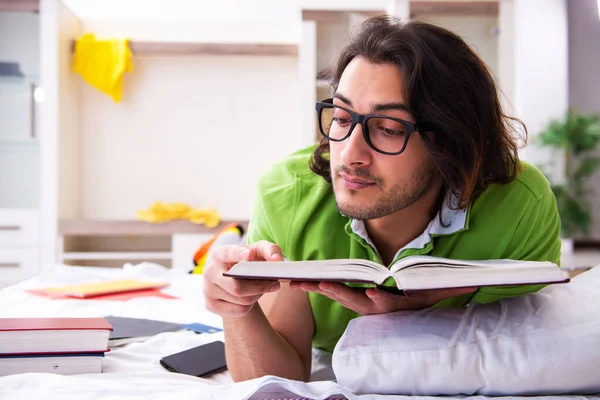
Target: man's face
[368, 184]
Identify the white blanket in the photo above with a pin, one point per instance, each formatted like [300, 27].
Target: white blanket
[133, 371]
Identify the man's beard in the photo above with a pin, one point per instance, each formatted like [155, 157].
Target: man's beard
[395, 199]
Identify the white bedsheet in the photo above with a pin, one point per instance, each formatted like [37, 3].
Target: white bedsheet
[133, 371]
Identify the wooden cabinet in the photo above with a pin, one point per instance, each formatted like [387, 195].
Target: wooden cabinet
[19, 245]
[16, 110]
[115, 242]
[20, 184]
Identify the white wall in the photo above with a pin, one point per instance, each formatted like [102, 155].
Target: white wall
[540, 91]
[59, 135]
[69, 122]
[184, 9]
[204, 9]
[506, 57]
[307, 81]
[209, 31]
[194, 129]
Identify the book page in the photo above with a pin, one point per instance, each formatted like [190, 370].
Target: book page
[428, 261]
[344, 270]
[442, 277]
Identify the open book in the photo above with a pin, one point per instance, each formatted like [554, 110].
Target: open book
[410, 273]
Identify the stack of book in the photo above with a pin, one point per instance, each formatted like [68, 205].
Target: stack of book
[65, 346]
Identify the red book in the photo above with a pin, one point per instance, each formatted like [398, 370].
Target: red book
[53, 335]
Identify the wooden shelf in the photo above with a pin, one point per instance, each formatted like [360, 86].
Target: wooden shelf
[90, 227]
[122, 255]
[418, 8]
[19, 143]
[19, 6]
[454, 8]
[191, 48]
[334, 16]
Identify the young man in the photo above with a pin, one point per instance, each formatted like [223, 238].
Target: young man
[418, 158]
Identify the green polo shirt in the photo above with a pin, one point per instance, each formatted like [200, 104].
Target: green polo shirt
[296, 209]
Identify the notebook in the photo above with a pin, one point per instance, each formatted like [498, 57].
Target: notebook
[129, 330]
[53, 335]
[102, 288]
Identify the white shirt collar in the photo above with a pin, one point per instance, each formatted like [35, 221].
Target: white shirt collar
[456, 220]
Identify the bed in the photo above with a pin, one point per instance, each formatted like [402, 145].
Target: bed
[133, 371]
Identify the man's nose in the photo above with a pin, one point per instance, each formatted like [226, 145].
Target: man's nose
[356, 150]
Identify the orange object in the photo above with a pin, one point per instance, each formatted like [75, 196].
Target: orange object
[202, 253]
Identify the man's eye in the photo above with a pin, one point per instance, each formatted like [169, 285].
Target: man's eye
[391, 132]
[342, 121]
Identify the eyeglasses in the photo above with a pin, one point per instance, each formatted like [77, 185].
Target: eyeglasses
[385, 135]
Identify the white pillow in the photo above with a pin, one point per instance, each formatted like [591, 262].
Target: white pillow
[542, 343]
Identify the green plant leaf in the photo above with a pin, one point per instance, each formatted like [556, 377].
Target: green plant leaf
[574, 215]
[554, 136]
[575, 135]
[587, 166]
[582, 131]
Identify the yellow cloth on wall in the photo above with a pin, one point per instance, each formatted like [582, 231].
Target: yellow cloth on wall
[162, 212]
[102, 63]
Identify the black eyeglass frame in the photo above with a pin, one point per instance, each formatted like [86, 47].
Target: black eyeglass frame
[362, 119]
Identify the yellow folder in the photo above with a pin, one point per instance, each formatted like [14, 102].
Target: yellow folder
[102, 288]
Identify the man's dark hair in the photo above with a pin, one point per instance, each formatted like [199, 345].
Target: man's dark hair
[449, 89]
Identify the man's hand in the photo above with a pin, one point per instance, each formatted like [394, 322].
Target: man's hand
[375, 301]
[230, 297]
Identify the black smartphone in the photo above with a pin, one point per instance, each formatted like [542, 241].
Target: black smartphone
[198, 361]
